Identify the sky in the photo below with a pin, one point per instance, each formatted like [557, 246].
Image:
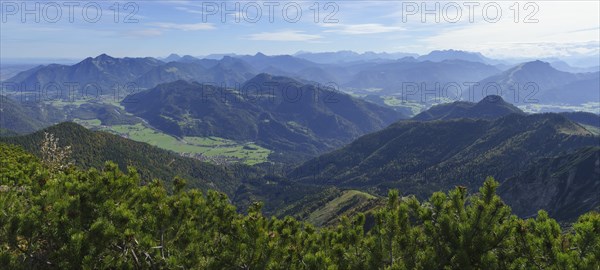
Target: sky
[500, 29]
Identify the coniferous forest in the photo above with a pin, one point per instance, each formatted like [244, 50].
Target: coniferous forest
[58, 217]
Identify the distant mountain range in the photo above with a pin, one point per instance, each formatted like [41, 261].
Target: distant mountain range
[539, 82]
[278, 113]
[368, 73]
[350, 56]
[422, 77]
[443, 55]
[227, 71]
[563, 66]
[103, 71]
[107, 72]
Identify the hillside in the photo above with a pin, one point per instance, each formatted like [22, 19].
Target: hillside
[107, 114]
[296, 120]
[490, 107]
[244, 184]
[577, 92]
[326, 208]
[173, 71]
[584, 118]
[420, 157]
[392, 77]
[26, 118]
[566, 186]
[493, 107]
[92, 149]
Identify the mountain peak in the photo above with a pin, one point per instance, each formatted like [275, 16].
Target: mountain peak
[172, 57]
[490, 107]
[441, 55]
[104, 57]
[228, 61]
[187, 58]
[266, 77]
[492, 99]
[263, 77]
[537, 64]
[71, 127]
[493, 106]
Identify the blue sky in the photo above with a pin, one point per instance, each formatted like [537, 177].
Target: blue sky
[158, 28]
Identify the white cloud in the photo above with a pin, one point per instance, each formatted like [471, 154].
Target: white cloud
[287, 35]
[562, 29]
[189, 10]
[185, 27]
[361, 29]
[146, 33]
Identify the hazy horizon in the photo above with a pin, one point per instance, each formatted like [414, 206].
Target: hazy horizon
[76, 30]
[574, 61]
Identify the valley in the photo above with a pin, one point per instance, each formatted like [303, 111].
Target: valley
[212, 149]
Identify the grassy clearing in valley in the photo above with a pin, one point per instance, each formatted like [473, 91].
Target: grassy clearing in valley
[212, 147]
[414, 106]
[88, 123]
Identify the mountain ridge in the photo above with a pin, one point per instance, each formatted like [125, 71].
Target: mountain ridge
[490, 107]
[278, 113]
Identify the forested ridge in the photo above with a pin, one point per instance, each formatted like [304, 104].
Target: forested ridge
[242, 183]
[91, 149]
[69, 218]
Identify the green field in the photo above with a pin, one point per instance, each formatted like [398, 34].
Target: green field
[414, 106]
[94, 123]
[62, 103]
[209, 148]
[592, 107]
[592, 129]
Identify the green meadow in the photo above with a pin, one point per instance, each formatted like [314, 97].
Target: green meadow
[210, 147]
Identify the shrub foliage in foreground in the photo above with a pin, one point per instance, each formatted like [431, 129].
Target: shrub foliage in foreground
[105, 219]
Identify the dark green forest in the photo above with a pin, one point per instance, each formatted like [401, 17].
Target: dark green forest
[69, 218]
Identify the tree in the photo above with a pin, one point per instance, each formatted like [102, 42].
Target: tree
[98, 219]
[55, 157]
